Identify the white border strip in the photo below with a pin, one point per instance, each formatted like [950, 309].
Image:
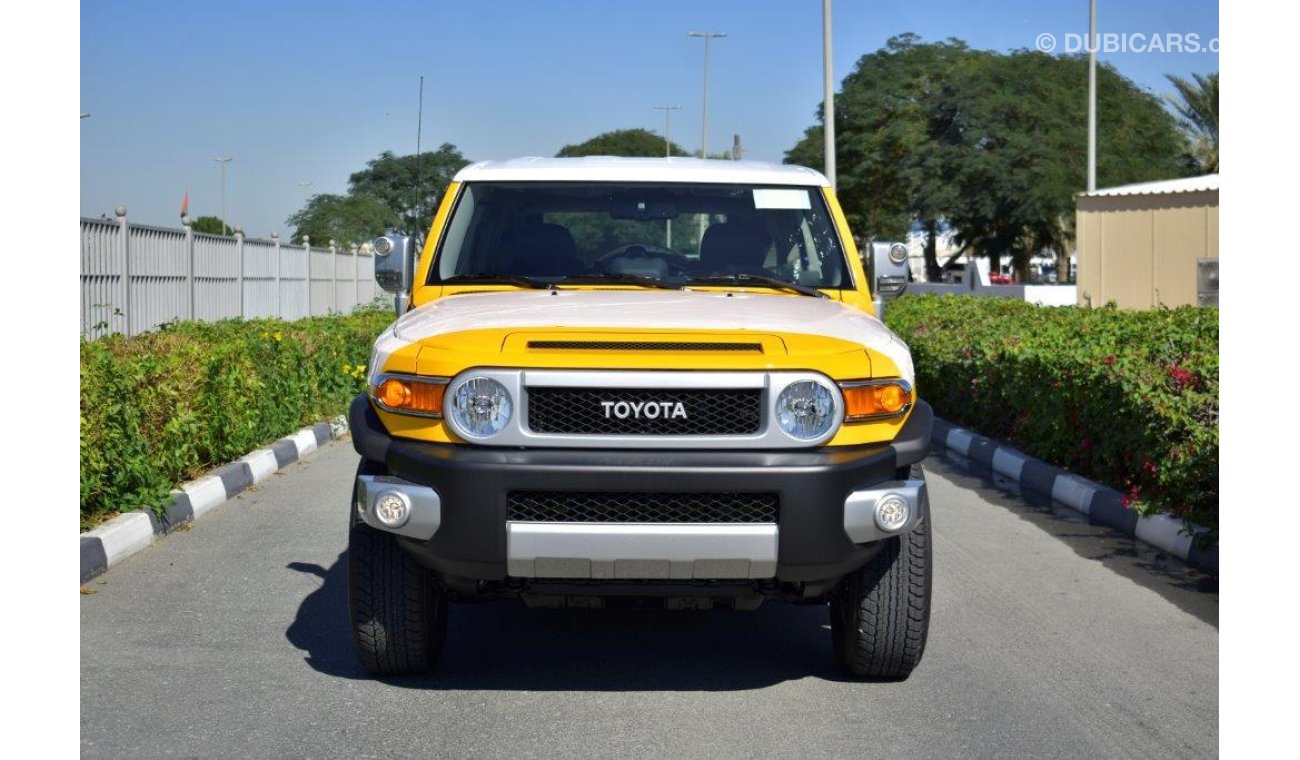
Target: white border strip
[1009, 463]
[1163, 531]
[124, 535]
[1074, 492]
[959, 441]
[261, 463]
[305, 440]
[205, 493]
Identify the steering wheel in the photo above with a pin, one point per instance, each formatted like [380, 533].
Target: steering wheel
[678, 264]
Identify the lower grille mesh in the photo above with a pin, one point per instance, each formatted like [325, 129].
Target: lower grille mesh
[579, 506]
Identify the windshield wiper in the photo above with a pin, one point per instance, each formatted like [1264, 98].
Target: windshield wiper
[487, 278]
[618, 279]
[760, 281]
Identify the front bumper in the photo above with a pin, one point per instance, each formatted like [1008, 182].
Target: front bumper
[825, 528]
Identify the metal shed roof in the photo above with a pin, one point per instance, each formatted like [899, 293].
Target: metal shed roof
[1200, 184]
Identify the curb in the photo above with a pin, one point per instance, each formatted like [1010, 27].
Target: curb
[129, 532]
[1100, 504]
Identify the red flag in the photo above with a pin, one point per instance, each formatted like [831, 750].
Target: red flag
[185, 204]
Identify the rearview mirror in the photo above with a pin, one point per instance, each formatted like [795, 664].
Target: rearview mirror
[641, 210]
[395, 268]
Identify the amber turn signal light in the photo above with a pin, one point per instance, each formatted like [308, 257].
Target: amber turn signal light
[411, 395]
[867, 400]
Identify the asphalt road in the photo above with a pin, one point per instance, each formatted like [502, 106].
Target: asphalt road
[1049, 638]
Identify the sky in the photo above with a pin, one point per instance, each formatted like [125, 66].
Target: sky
[307, 92]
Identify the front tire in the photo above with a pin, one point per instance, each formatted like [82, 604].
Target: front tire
[397, 607]
[880, 614]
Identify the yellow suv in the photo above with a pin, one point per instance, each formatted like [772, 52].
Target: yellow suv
[619, 381]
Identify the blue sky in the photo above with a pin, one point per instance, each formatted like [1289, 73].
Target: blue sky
[309, 91]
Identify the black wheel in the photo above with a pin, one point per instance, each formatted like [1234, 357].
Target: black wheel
[397, 607]
[880, 615]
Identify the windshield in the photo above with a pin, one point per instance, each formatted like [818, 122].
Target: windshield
[660, 234]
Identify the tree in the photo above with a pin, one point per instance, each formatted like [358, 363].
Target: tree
[410, 186]
[212, 225]
[1013, 135]
[990, 145]
[393, 193]
[347, 219]
[1197, 106]
[623, 142]
[886, 153]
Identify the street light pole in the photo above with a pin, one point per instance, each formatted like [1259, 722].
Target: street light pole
[668, 153]
[828, 95]
[704, 136]
[223, 162]
[668, 128]
[1092, 95]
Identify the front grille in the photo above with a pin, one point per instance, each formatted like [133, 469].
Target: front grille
[584, 411]
[628, 345]
[589, 507]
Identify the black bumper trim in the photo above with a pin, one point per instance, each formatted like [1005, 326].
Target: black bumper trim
[473, 481]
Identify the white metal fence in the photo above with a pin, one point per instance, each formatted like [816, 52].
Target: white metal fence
[136, 277]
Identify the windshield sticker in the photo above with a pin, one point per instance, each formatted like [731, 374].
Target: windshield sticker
[783, 198]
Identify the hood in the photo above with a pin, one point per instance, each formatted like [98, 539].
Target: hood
[640, 309]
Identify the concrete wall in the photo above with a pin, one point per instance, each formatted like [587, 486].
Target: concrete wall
[1140, 251]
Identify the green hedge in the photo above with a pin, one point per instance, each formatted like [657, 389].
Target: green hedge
[1130, 399]
[161, 408]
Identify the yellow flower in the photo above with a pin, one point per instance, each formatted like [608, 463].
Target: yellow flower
[347, 368]
[279, 336]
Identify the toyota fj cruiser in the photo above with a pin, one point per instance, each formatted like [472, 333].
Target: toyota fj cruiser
[639, 381]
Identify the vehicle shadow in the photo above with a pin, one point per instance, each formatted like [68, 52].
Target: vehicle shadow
[505, 646]
[1193, 591]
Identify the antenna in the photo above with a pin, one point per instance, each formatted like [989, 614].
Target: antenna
[419, 168]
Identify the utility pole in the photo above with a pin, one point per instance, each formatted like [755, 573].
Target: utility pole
[223, 162]
[668, 153]
[668, 127]
[1092, 95]
[828, 94]
[704, 136]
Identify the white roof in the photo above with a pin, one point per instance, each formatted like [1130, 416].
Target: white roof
[616, 169]
[1186, 185]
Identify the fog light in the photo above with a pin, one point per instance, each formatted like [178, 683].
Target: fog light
[892, 512]
[393, 509]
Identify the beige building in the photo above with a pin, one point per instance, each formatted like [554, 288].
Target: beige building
[1148, 245]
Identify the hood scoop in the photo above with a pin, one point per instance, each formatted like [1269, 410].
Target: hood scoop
[666, 346]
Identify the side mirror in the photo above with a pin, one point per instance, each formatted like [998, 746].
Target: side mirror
[395, 268]
[889, 269]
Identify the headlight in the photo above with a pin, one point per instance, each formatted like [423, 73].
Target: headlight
[383, 246]
[898, 253]
[481, 407]
[805, 410]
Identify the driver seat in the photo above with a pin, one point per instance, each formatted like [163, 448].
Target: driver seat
[733, 247]
[543, 250]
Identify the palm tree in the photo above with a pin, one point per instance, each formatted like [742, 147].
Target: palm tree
[1198, 115]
